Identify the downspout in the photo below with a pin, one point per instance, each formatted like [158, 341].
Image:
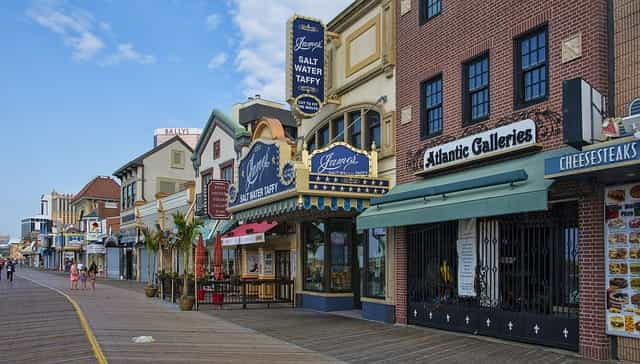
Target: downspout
[611, 58]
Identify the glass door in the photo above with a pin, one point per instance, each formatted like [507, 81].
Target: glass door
[358, 269]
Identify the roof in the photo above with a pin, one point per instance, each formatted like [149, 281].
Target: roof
[138, 161]
[258, 111]
[99, 188]
[217, 118]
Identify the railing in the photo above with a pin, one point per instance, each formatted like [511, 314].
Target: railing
[246, 292]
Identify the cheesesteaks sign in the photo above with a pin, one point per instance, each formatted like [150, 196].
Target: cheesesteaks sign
[260, 174]
[305, 55]
[486, 144]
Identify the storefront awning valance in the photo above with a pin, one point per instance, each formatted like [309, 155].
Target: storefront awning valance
[248, 234]
[302, 203]
[512, 186]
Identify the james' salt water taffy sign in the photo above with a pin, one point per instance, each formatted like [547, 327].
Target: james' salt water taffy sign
[305, 56]
[340, 159]
[260, 175]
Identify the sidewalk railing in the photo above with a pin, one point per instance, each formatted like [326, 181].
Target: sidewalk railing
[246, 292]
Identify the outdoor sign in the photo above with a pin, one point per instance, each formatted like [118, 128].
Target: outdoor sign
[467, 257]
[260, 175]
[244, 239]
[340, 159]
[96, 249]
[486, 144]
[305, 55]
[598, 158]
[217, 200]
[622, 241]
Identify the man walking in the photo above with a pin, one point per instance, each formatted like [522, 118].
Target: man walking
[10, 268]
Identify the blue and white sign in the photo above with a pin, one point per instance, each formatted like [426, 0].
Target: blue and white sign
[340, 159]
[306, 59]
[604, 157]
[260, 175]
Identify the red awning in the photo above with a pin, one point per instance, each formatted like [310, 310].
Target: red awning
[248, 234]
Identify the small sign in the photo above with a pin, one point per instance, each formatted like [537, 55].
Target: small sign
[340, 159]
[466, 267]
[605, 157]
[96, 249]
[306, 62]
[217, 200]
[486, 144]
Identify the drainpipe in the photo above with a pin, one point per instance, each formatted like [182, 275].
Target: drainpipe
[611, 59]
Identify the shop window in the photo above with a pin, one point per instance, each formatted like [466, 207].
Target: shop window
[429, 9]
[375, 262]
[340, 259]
[476, 90]
[323, 136]
[314, 256]
[431, 100]
[531, 78]
[373, 129]
[355, 129]
[338, 129]
[229, 261]
[216, 149]
[177, 159]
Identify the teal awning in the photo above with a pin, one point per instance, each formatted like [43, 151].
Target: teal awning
[211, 227]
[513, 186]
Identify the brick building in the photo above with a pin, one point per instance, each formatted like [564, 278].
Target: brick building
[490, 239]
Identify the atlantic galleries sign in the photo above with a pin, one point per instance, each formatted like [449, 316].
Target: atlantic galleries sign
[305, 59]
[507, 138]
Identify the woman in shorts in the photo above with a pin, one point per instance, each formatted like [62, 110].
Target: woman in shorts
[74, 275]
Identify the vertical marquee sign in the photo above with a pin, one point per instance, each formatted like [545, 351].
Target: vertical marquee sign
[217, 200]
[305, 59]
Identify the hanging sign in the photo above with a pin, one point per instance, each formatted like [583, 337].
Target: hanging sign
[486, 144]
[217, 200]
[340, 159]
[305, 56]
[622, 244]
[260, 175]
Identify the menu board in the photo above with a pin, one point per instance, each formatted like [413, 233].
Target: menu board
[466, 267]
[622, 242]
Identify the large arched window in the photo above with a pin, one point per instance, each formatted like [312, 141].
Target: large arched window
[358, 127]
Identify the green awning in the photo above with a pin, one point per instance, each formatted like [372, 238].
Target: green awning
[212, 227]
[425, 202]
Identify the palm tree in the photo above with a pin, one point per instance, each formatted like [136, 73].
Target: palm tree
[186, 233]
[152, 241]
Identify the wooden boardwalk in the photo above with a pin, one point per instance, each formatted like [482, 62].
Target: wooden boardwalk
[37, 325]
[117, 315]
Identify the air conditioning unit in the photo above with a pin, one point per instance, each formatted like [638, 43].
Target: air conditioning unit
[583, 109]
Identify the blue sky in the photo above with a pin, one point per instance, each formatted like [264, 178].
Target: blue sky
[83, 84]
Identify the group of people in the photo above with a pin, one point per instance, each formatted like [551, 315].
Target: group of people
[80, 273]
[10, 265]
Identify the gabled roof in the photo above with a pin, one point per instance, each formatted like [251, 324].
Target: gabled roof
[99, 188]
[138, 161]
[217, 118]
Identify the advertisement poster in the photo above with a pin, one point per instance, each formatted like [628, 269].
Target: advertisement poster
[622, 242]
[253, 263]
[467, 253]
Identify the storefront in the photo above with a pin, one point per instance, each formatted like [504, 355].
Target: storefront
[298, 219]
[608, 174]
[96, 254]
[491, 245]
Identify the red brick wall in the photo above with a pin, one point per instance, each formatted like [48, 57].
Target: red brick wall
[594, 343]
[467, 28]
[401, 274]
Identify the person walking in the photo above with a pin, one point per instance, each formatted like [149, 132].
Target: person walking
[74, 275]
[93, 273]
[83, 276]
[1, 267]
[11, 266]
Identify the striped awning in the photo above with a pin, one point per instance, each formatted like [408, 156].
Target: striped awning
[308, 202]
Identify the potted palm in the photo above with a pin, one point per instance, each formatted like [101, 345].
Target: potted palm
[151, 243]
[186, 232]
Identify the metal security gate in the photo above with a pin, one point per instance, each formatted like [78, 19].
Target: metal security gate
[525, 281]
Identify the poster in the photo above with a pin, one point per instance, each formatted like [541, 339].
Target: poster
[622, 244]
[267, 268]
[466, 267]
[253, 263]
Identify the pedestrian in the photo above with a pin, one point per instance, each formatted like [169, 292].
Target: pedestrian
[74, 275]
[83, 276]
[93, 273]
[10, 268]
[1, 266]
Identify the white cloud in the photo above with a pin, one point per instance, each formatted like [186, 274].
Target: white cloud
[217, 61]
[213, 21]
[105, 26]
[75, 26]
[127, 53]
[261, 53]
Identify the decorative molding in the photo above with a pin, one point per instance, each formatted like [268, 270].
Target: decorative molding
[373, 23]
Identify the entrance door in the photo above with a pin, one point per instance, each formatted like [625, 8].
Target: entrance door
[128, 264]
[283, 264]
[525, 285]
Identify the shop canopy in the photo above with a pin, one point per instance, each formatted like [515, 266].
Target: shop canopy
[248, 234]
[508, 187]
